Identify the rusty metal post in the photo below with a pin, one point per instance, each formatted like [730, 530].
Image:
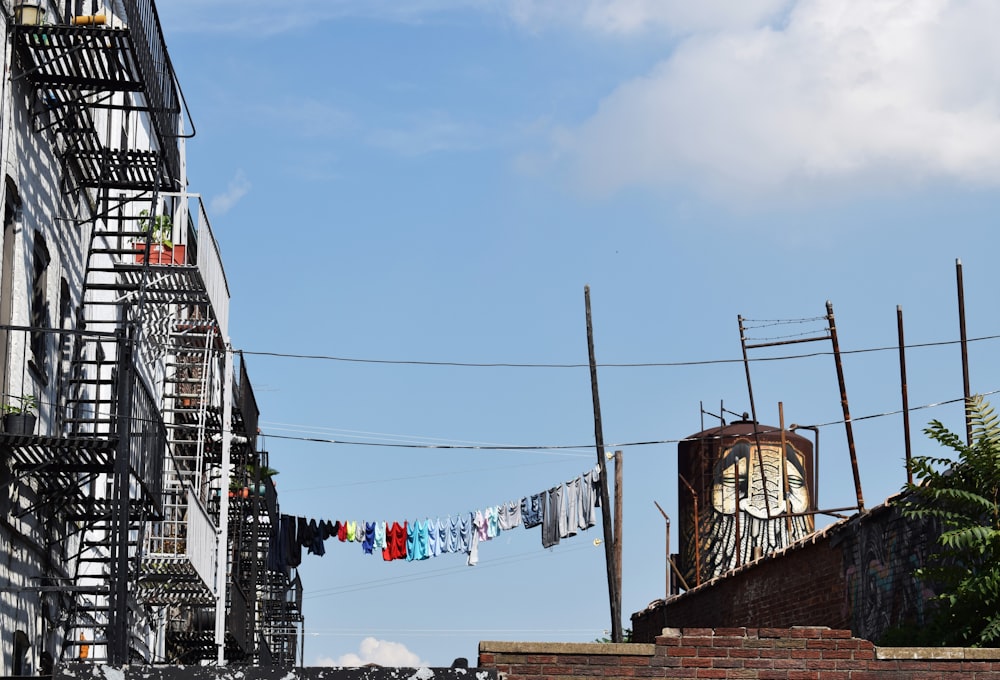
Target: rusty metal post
[843, 402]
[756, 437]
[784, 476]
[965, 352]
[906, 398]
[697, 537]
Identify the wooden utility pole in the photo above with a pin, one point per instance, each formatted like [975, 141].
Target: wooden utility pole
[618, 526]
[965, 352]
[609, 554]
[902, 388]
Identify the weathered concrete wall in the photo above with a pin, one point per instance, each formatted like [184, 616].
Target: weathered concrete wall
[808, 653]
[856, 574]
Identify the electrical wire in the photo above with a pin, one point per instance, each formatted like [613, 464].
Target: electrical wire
[647, 364]
[632, 444]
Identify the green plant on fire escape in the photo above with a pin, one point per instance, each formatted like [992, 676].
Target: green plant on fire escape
[962, 495]
[160, 228]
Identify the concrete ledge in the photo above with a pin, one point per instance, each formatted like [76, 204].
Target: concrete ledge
[937, 653]
[590, 648]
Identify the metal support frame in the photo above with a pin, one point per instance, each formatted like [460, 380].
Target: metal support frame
[830, 335]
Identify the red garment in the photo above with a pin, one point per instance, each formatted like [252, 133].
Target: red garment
[342, 532]
[401, 541]
[395, 542]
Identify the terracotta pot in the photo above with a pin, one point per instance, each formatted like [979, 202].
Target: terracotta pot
[160, 254]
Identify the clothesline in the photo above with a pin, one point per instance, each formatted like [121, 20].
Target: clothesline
[561, 511]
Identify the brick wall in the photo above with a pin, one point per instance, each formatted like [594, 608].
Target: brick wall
[856, 574]
[806, 653]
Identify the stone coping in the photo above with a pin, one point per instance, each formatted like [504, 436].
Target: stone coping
[589, 648]
[938, 653]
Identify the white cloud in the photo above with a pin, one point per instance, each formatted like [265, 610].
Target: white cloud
[374, 651]
[845, 93]
[238, 187]
[631, 16]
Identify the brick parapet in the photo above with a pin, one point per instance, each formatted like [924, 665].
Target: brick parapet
[798, 653]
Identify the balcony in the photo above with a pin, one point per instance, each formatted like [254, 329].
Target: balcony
[195, 278]
[77, 434]
[75, 69]
[179, 559]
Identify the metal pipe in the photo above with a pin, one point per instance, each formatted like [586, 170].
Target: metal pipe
[814, 491]
[697, 537]
[843, 402]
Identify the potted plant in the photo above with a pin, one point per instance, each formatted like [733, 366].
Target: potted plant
[161, 249]
[20, 418]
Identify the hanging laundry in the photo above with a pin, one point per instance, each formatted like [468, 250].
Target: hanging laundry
[316, 547]
[532, 510]
[352, 530]
[359, 533]
[433, 538]
[395, 542]
[493, 521]
[590, 498]
[342, 533]
[324, 528]
[275, 553]
[569, 511]
[291, 550]
[510, 515]
[473, 558]
[368, 543]
[454, 534]
[423, 540]
[443, 535]
[550, 517]
[412, 531]
[466, 531]
[304, 533]
[479, 522]
[379, 542]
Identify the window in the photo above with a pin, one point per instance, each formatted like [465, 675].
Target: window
[39, 310]
[21, 649]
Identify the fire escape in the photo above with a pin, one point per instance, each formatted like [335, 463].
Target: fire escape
[130, 460]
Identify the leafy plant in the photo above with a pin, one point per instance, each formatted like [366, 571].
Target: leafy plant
[160, 227]
[963, 496]
[26, 404]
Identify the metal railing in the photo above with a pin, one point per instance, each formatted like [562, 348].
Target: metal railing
[158, 77]
[201, 540]
[147, 442]
[210, 265]
[248, 403]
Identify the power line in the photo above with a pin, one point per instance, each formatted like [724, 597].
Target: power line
[564, 447]
[649, 364]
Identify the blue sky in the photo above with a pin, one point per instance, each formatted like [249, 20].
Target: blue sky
[437, 180]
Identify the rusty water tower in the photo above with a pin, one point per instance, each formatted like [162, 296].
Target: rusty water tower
[741, 495]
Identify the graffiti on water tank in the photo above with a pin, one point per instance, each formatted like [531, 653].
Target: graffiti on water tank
[753, 500]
